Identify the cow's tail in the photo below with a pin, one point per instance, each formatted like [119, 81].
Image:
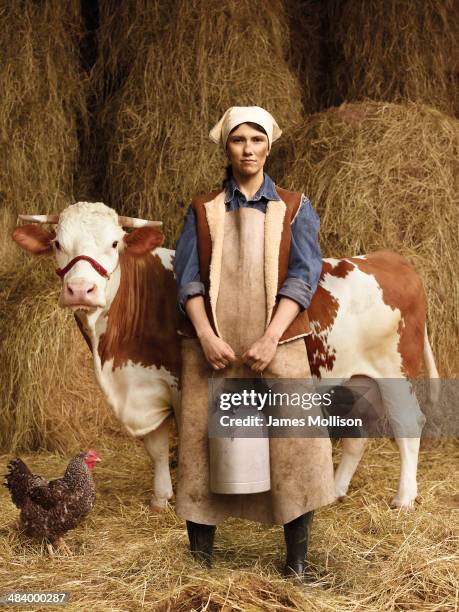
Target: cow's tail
[431, 370]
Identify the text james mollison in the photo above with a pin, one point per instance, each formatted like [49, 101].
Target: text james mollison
[310, 421]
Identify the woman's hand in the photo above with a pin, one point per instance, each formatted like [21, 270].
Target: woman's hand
[261, 353]
[218, 353]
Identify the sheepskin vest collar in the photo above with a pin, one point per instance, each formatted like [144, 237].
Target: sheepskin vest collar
[210, 213]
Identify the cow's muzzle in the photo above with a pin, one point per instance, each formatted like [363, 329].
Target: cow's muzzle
[80, 293]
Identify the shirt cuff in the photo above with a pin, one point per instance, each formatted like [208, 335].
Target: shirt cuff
[189, 290]
[296, 289]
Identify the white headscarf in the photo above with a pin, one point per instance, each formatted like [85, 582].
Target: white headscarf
[236, 115]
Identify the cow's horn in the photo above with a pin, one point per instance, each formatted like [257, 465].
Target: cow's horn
[133, 222]
[40, 218]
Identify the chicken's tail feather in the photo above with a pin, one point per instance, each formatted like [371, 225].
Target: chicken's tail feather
[17, 480]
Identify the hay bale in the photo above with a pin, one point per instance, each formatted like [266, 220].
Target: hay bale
[49, 397]
[386, 176]
[42, 106]
[394, 51]
[179, 66]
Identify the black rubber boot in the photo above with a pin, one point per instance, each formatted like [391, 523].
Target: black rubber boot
[296, 539]
[201, 541]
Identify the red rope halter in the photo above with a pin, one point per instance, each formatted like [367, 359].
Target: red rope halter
[97, 267]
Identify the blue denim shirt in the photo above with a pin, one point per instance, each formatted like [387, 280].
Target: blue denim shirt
[305, 258]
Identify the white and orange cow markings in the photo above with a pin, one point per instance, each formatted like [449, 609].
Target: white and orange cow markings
[369, 320]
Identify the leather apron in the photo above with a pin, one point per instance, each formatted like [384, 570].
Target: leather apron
[301, 468]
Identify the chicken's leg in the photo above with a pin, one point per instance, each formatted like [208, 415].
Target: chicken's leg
[62, 547]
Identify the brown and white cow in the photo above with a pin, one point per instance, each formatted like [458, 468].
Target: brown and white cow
[367, 319]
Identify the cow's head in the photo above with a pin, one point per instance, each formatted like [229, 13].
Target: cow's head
[87, 243]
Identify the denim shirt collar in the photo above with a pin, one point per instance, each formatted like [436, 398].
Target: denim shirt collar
[267, 190]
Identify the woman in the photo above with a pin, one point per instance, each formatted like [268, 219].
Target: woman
[247, 264]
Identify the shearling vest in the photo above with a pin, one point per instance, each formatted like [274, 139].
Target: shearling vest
[210, 213]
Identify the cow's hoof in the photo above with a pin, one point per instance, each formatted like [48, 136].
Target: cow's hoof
[340, 493]
[402, 504]
[159, 504]
[341, 498]
[157, 508]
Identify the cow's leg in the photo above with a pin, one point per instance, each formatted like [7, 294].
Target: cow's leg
[352, 453]
[407, 486]
[157, 446]
[367, 392]
[406, 420]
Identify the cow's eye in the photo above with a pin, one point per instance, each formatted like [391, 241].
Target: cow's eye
[57, 245]
[115, 244]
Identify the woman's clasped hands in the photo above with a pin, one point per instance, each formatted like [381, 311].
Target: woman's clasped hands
[220, 354]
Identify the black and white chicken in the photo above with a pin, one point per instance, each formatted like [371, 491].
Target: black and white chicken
[50, 508]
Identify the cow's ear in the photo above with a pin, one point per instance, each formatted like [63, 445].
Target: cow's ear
[33, 239]
[143, 239]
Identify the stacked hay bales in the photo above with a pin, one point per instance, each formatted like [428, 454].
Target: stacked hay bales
[176, 77]
[48, 395]
[394, 51]
[386, 176]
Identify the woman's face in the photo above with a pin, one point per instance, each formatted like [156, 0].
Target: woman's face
[247, 150]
